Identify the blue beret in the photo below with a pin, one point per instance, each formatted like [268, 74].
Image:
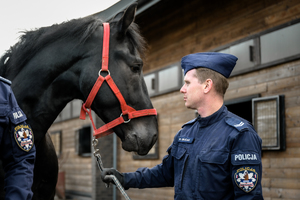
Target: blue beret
[219, 62]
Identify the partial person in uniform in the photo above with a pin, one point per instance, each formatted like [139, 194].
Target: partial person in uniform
[216, 156]
[17, 146]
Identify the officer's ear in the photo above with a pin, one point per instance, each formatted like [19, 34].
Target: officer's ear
[208, 84]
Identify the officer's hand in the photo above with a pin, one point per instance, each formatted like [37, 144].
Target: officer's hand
[111, 171]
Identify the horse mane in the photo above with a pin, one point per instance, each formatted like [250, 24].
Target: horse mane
[80, 29]
[138, 40]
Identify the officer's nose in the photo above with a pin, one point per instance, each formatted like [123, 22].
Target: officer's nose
[182, 89]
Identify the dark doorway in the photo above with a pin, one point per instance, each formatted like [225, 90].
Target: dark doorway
[241, 107]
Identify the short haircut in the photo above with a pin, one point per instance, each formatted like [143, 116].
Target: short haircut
[220, 82]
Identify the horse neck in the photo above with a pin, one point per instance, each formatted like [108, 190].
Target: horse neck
[43, 89]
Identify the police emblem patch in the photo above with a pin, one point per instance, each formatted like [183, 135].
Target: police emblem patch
[24, 137]
[246, 178]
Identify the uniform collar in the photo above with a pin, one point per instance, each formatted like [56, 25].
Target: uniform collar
[206, 121]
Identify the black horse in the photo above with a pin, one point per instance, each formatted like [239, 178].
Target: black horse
[51, 66]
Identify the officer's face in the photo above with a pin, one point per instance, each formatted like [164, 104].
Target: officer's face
[192, 90]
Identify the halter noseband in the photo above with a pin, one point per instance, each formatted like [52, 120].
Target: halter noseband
[126, 110]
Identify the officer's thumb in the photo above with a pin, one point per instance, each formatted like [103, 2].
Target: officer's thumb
[111, 171]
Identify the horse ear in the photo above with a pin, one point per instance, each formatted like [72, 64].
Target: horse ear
[127, 18]
[118, 16]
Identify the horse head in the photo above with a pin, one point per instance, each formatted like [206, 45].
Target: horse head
[125, 67]
[53, 65]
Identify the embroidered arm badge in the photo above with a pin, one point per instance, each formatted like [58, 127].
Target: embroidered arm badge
[24, 137]
[246, 178]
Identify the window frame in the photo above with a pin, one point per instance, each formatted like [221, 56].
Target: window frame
[77, 141]
[257, 53]
[280, 118]
[156, 80]
[281, 135]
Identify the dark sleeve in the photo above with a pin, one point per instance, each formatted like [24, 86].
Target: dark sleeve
[246, 166]
[161, 175]
[18, 154]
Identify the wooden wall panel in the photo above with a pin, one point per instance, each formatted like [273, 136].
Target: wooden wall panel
[179, 28]
[175, 28]
[78, 170]
[182, 27]
[279, 193]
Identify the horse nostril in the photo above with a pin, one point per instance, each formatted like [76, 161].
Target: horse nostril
[154, 139]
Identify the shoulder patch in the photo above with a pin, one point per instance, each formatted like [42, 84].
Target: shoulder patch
[246, 178]
[236, 123]
[5, 80]
[24, 137]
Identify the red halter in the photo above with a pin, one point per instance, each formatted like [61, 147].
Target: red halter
[126, 110]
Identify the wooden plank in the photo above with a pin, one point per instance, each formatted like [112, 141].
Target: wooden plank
[168, 54]
[281, 193]
[170, 40]
[281, 173]
[238, 29]
[292, 116]
[287, 12]
[293, 132]
[293, 142]
[265, 162]
[292, 98]
[292, 152]
[285, 163]
[81, 181]
[282, 71]
[245, 91]
[167, 102]
[293, 139]
[164, 119]
[284, 84]
[265, 182]
[78, 170]
[182, 117]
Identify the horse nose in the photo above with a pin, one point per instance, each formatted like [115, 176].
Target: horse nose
[145, 141]
[154, 139]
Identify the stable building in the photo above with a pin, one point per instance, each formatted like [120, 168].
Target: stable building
[264, 88]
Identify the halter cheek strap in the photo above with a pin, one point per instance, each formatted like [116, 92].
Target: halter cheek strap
[126, 110]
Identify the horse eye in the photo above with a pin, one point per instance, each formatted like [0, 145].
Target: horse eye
[136, 68]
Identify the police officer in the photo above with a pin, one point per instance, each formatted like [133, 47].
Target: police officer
[216, 156]
[17, 146]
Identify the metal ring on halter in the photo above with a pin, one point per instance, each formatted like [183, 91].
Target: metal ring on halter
[125, 122]
[101, 70]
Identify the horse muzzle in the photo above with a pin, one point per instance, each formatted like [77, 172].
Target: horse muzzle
[140, 136]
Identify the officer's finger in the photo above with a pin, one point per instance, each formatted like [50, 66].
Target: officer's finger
[108, 179]
[104, 173]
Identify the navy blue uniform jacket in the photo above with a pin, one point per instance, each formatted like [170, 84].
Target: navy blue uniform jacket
[212, 158]
[17, 148]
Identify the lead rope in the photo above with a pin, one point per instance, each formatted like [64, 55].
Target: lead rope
[100, 166]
